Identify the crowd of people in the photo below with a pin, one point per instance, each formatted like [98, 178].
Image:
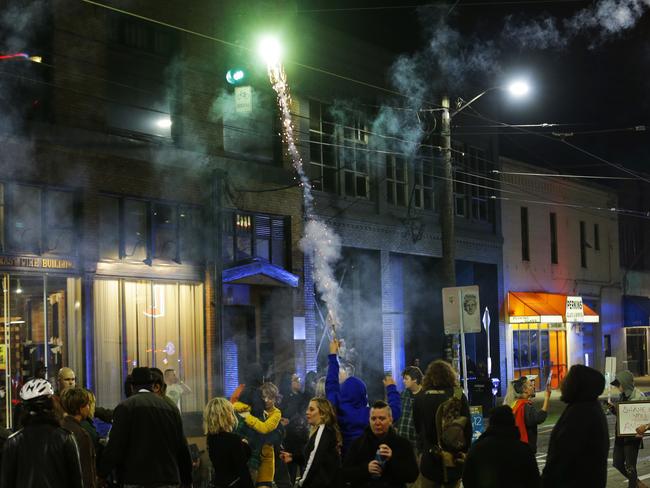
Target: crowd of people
[295, 436]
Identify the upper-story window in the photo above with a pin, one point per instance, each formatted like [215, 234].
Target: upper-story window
[140, 76]
[37, 220]
[139, 231]
[323, 161]
[471, 188]
[248, 236]
[354, 159]
[424, 196]
[396, 181]
[339, 155]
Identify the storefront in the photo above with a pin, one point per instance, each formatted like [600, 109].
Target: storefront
[544, 332]
[636, 322]
[41, 317]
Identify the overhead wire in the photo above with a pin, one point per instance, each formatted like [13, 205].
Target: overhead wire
[226, 42]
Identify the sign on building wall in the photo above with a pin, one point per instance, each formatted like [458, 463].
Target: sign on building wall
[461, 303]
[574, 310]
[243, 99]
[31, 262]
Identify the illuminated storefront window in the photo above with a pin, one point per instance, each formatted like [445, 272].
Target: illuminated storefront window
[145, 323]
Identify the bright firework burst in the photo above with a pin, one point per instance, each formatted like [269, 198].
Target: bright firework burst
[319, 239]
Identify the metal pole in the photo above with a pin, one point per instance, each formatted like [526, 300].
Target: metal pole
[462, 345]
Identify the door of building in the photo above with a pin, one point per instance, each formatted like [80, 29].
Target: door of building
[538, 350]
[637, 350]
[40, 331]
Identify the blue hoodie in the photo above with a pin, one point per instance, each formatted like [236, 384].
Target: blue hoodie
[350, 400]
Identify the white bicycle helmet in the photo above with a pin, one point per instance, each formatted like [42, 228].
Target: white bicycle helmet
[35, 388]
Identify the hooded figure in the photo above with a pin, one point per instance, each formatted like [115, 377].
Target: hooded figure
[626, 449]
[499, 458]
[577, 450]
[350, 399]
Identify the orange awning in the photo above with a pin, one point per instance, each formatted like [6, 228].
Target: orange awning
[526, 307]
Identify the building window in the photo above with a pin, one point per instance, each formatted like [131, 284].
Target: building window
[139, 231]
[472, 189]
[356, 176]
[525, 249]
[144, 323]
[140, 96]
[37, 220]
[553, 229]
[583, 244]
[396, 184]
[424, 196]
[255, 235]
[60, 222]
[109, 227]
[596, 237]
[322, 148]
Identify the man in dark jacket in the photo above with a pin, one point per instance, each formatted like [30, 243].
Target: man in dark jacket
[499, 458]
[577, 451]
[147, 445]
[380, 458]
[41, 454]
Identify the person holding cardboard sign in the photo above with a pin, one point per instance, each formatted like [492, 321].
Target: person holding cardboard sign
[626, 449]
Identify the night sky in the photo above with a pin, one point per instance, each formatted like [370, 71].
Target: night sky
[588, 62]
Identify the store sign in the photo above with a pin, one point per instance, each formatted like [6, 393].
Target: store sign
[36, 263]
[574, 310]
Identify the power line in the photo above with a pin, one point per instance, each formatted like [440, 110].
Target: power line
[557, 175]
[440, 5]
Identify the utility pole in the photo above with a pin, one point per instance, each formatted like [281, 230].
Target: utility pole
[448, 237]
[447, 233]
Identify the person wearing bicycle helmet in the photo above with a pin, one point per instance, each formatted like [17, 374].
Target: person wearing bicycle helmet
[41, 454]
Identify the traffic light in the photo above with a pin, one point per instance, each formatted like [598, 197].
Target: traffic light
[236, 76]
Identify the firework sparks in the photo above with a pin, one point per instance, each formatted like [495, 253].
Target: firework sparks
[319, 239]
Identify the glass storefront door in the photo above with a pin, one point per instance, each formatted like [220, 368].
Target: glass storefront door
[539, 349]
[40, 333]
[637, 353]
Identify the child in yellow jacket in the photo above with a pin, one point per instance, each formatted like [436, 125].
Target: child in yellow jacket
[272, 415]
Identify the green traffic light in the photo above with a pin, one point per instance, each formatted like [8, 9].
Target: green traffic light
[235, 76]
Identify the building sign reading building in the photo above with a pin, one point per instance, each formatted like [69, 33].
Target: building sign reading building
[36, 263]
[574, 310]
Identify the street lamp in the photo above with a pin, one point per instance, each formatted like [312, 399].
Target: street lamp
[270, 50]
[517, 88]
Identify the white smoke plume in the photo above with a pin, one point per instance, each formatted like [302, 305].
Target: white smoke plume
[325, 246]
[601, 21]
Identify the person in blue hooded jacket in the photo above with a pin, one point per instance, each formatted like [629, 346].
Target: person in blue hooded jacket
[350, 399]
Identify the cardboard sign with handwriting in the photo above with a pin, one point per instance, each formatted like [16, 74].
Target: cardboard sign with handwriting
[631, 415]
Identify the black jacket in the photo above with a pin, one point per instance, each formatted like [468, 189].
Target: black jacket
[293, 408]
[326, 466]
[147, 432]
[229, 456]
[41, 455]
[577, 450]
[499, 459]
[402, 468]
[425, 407]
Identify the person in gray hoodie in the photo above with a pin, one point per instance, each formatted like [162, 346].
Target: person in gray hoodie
[626, 449]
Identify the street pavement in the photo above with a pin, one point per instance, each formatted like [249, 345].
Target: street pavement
[614, 478]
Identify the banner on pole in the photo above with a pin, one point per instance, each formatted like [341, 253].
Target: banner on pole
[461, 303]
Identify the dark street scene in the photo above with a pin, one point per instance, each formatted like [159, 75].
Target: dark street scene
[324, 243]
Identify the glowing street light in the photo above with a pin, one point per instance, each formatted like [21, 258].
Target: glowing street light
[519, 88]
[164, 123]
[270, 50]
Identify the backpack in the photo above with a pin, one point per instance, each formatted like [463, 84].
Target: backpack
[450, 426]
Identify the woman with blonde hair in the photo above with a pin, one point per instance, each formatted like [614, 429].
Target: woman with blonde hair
[322, 454]
[228, 452]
